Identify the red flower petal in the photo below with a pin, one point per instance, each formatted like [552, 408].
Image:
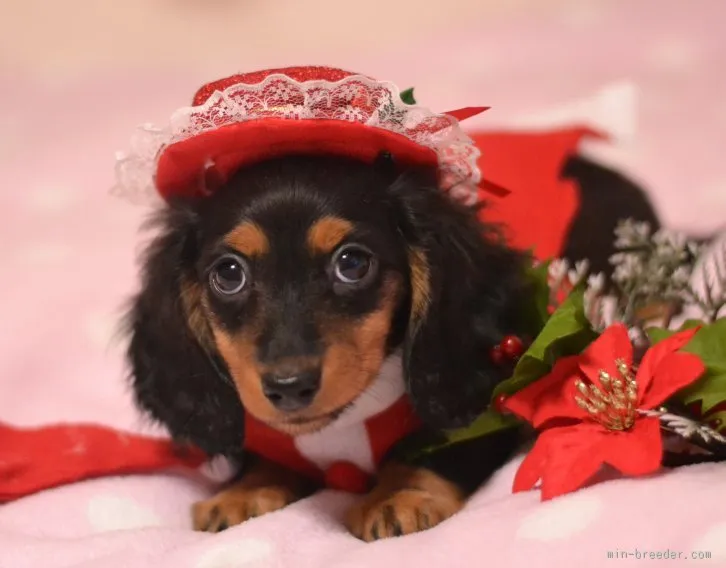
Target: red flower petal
[656, 380]
[637, 451]
[613, 344]
[547, 397]
[531, 468]
[574, 457]
[676, 371]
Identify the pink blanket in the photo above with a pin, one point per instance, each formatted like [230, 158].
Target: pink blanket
[67, 266]
[143, 523]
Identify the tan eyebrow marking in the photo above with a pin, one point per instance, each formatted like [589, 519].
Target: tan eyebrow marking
[327, 233]
[249, 239]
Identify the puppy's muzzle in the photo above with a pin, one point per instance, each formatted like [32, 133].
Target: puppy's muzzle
[291, 391]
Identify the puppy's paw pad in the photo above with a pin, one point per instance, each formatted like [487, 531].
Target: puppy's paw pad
[404, 512]
[233, 507]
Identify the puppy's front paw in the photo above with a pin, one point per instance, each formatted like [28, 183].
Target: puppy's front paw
[406, 511]
[237, 504]
[406, 500]
[265, 487]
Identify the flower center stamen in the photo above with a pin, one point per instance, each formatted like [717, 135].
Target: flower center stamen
[614, 405]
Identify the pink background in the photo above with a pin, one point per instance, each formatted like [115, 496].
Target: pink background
[75, 79]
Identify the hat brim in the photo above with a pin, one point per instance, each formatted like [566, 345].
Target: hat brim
[182, 165]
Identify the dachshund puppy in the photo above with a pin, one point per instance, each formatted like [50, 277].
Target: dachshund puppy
[308, 290]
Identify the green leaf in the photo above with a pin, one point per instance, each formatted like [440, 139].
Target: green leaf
[486, 424]
[710, 389]
[490, 421]
[691, 324]
[407, 96]
[567, 332]
[658, 334]
[709, 344]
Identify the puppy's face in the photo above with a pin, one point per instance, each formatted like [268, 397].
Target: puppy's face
[300, 281]
[282, 292]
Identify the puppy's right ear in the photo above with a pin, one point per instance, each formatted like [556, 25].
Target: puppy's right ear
[176, 375]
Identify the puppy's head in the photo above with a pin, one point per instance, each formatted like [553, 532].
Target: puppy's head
[284, 292]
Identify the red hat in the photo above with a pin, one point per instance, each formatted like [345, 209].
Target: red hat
[251, 117]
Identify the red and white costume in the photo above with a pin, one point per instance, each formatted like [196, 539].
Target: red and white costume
[346, 453]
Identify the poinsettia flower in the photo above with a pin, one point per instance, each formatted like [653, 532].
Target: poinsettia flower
[590, 411]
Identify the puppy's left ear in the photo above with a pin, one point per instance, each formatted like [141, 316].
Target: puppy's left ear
[465, 285]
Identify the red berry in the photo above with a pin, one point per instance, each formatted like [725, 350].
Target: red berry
[499, 403]
[512, 347]
[496, 355]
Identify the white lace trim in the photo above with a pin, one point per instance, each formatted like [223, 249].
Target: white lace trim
[356, 99]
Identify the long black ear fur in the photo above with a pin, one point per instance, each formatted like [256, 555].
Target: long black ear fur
[173, 377]
[474, 282]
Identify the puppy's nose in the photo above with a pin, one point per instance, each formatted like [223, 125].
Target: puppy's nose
[290, 392]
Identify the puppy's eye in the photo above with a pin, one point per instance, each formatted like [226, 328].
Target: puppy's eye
[229, 275]
[353, 264]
